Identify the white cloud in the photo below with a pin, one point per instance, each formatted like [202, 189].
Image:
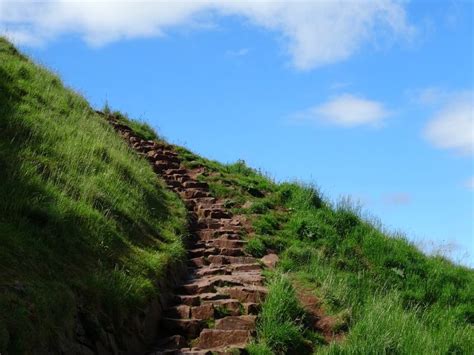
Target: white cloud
[315, 33]
[452, 127]
[347, 111]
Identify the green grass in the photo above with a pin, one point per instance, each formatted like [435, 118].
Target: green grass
[84, 223]
[280, 324]
[385, 295]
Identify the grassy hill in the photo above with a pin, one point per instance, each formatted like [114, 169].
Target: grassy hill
[380, 293]
[88, 232]
[86, 229]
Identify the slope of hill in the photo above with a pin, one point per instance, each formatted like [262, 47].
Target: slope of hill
[86, 229]
[88, 234]
[367, 291]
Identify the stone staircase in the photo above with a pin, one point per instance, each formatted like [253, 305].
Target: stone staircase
[214, 309]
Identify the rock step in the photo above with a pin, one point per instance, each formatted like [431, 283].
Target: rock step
[214, 212]
[194, 193]
[194, 253]
[223, 283]
[219, 338]
[209, 284]
[222, 259]
[214, 309]
[195, 184]
[189, 328]
[225, 243]
[236, 323]
[255, 294]
[210, 234]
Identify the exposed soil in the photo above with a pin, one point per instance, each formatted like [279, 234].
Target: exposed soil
[318, 320]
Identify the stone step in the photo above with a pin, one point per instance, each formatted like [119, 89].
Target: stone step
[245, 322]
[216, 338]
[222, 259]
[159, 166]
[212, 296]
[245, 267]
[204, 311]
[181, 177]
[197, 287]
[173, 183]
[206, 271]
[255, 294]
[195, 253]
[187, 351]
[226, 243]
[194, 193]
[209, 234]
[189, 328]
[223, 283]
[175, 171]
[228, 251]
[227, 307]
[209, 283]
[205, 201]
[193, 184]
[188, 300]
[199, 261]
[213, 212]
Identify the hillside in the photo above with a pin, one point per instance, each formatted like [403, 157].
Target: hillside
[86, 229]
[366, 291]
[94, 242]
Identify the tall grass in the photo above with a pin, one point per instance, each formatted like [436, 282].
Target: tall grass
[388, 295]
[84, 223]
[280, 324]
[380, 289]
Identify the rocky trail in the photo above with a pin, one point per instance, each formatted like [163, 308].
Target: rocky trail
[215, 306]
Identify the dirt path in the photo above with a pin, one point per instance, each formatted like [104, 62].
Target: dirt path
[215, 307]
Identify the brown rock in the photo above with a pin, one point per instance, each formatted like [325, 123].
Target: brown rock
[231, 251]
[236, 323]
[254, 294]
[217, 259]
[241, 260]
[245, 267]
[198, 262]
[187, 327]
[197, 286]
[212, 296]
[196, 184]
[188, 300]
[227, 243]
[228, 307]
[215, 338]
[270, 260]
[206, 271]
[204, 311]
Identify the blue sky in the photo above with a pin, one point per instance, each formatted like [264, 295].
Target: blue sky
[368, 99]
